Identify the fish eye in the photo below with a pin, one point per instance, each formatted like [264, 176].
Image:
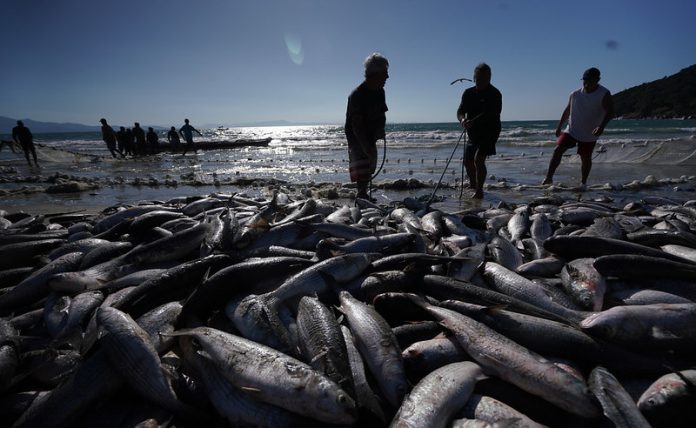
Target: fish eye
[196, 344]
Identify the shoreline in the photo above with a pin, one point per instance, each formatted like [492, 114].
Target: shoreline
[620, 172]
[93, 197]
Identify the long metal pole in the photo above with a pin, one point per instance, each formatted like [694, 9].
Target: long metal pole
[427, 205]
[461, 188]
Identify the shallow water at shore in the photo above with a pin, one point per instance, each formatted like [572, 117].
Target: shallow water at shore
[631, 160]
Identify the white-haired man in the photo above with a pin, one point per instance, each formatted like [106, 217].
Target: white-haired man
[365, 120]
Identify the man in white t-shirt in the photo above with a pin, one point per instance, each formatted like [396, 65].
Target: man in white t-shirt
[589, 110]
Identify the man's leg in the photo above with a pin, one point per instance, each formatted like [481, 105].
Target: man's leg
[33, 153]
[586, 166]
[553, 164]
[481, 172]
[26, 155]
[470, 167]
[362, 190]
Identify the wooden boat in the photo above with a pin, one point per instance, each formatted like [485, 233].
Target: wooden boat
[216, 145]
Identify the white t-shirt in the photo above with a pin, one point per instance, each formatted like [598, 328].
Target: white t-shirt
[586, 113]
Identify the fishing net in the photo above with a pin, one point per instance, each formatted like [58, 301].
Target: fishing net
[50, 154]
[677, 152]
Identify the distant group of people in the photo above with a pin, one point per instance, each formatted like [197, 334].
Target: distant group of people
[135, 142]
[588, 112]
[121, 143]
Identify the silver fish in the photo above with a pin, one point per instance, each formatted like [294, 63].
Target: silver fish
[438, 396]
[662, 325]
[322, 342]
[238, 407]
[133, 355]
[492, 411]
[35, 286]
[541, 227]
[273, 377]
[378, 345]
[510, 361]
[618, 406]
[584, 284]
[670, 398]
[364, 395]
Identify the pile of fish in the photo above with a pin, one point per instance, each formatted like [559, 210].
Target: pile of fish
[223, 310]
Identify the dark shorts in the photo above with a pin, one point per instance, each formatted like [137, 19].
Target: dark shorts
[484, 146]
[361, 165]
[567, 141]
[27, 145]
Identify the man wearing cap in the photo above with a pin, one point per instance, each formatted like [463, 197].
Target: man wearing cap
[365, 121]
[479, 113]
[589, 110]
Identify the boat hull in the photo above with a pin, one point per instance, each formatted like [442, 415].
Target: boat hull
[215, 145]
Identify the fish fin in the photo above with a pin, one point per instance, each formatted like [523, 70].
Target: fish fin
[689, 383]
[662, 333]
[339, 308]
[494, 309]
[206, 275]
[319, 355]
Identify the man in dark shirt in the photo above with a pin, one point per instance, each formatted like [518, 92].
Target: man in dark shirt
[121, 139]
[140, 142]
[130, 142]
[22, 136]
[186, 132]
[479, 113]
[365, 120]
[173, 137]
[152, 141]
[109, 137]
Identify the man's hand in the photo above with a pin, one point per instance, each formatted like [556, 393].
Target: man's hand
[466, 124]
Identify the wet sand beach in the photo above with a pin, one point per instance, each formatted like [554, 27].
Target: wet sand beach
[67, 182]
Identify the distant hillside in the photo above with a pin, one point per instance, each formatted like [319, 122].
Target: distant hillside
[6, 125]
[670, 97]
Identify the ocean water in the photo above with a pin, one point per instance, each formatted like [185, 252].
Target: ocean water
[629, 150]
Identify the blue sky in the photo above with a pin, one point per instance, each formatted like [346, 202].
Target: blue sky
[233, 61]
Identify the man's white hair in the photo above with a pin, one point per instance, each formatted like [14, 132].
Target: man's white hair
[376, 63]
